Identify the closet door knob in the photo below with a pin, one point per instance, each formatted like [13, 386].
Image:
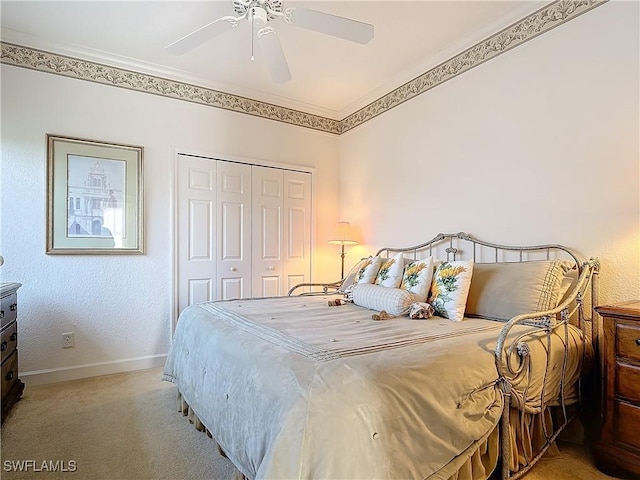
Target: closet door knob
[233, 269]
[271, 268]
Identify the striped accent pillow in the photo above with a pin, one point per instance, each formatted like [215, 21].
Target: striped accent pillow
[394, 301]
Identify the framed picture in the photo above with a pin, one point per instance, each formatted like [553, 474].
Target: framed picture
[94, 197]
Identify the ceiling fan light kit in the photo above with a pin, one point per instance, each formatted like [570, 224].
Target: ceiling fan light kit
[259, 13]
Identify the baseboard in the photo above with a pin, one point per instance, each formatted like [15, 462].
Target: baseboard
[54, 375]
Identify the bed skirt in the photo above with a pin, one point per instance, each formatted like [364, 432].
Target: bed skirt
[528, 434]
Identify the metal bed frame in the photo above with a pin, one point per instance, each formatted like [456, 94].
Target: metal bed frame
[582, 297]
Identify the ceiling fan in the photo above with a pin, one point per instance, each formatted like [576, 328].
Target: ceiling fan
[259, 13]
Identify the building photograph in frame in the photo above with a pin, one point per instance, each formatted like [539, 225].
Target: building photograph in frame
[94, 202]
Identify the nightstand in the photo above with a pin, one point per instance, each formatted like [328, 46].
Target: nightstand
[617, 450]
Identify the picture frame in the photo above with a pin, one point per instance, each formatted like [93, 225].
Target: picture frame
[94, 197]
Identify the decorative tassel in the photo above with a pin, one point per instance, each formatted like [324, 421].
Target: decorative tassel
[383, 315]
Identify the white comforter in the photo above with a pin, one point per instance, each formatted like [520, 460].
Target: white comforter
[292, 388]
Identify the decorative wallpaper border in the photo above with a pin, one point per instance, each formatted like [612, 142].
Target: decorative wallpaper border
[529, 27]
[94, 72]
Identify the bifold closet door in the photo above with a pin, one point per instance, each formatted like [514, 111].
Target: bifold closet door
[196, 220]
[267, 231]
[242, 230]
[281, 226]
[297, 228]
[233, 249]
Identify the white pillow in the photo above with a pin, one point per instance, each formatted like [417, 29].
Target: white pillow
[368, 270]
[417, 278]
[450, 288]
[390, 273]
[394, 301]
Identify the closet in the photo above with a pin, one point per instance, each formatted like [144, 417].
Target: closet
[242, 230]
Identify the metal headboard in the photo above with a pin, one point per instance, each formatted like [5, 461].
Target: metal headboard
[462, 246]
[456, 246]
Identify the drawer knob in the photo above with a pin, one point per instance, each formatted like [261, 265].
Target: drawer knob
[638, 341]
[13, 307]
[1, 313]
[4, 345]
[9, 376]
[14, 336]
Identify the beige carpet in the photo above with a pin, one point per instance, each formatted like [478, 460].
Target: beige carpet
[127, 426]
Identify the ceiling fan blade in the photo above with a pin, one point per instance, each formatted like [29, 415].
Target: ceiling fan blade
[194, 39]
[341, 27]
[273, 55]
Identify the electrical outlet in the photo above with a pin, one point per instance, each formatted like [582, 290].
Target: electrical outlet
[68, 340]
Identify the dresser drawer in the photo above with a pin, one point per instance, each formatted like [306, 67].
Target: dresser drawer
[628, 424]
[9, 373]
[628, 382]
[628, 341]
[9, 340]
[9, 308]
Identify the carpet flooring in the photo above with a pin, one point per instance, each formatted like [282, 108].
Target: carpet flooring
[127, 427]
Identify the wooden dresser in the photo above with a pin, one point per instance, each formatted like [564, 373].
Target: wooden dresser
[617, 450]
[12, 387]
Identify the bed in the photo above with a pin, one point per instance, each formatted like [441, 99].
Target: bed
[291, 387]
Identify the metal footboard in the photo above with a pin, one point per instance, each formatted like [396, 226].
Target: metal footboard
[549, 322]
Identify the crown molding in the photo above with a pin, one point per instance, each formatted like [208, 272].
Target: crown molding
[529, 27]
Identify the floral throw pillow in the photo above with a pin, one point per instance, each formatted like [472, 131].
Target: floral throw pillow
[368, 270]
[450, 288]
[390, 273]
[417, 278]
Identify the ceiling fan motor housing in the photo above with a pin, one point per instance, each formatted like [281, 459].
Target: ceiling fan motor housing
[241, 7]
[258, 16]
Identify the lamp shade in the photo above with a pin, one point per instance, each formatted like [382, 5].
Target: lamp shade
[344, 234]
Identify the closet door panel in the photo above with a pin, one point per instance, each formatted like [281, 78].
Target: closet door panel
[233, 231]
[267, 227]
[196, 218]
[297, 227]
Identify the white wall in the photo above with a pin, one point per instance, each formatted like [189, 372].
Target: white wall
[119, 306]
[539, 145]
